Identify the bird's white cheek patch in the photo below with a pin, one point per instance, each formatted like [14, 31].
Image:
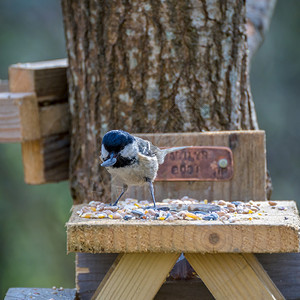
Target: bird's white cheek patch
[104, 153]
[130, 150]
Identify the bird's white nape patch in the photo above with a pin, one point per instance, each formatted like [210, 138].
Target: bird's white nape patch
[104, 153]
[148, 144]
[130, 150]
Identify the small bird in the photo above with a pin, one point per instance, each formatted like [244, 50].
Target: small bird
[134, 160]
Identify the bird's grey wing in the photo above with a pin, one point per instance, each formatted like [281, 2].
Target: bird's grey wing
[146, 148]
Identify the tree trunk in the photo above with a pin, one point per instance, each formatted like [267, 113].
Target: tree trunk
[152, 66]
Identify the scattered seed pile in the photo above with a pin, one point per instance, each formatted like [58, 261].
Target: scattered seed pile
[173, 209]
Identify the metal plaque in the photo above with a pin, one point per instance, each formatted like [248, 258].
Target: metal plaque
[197, 164]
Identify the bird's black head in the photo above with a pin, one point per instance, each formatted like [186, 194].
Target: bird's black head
[117, 149]
[116, 140]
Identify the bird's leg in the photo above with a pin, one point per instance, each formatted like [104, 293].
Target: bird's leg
[125, 187]
[152, 192]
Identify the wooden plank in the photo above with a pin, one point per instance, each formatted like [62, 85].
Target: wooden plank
[18, 117]
[40, 293]
[262, 274]
[90, 271]
[33, 162]
[10, 127]
[54, 119]
[136, 276]
[29, 118]
[43, 131]
[232, 276]
[21, 119]
[4, 86]
[283, 269]
[47, 159]
[47, 79]
[46, 152]
[248, 182]
[184, 289]
[273, 231]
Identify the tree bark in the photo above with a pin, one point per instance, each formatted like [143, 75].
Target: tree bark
[152, 66]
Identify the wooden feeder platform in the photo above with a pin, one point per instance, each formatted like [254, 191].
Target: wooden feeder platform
[273, 232]
[151, 248]
[131, 259]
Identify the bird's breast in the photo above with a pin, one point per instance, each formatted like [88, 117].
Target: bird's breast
[136, 174]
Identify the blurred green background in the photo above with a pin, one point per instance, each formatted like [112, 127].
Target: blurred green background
[32, 218]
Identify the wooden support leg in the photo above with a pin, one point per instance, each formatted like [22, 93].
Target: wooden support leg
[234, 276]
[136, 276]
[90, 271]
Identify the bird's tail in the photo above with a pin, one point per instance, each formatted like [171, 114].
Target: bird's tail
[166, 151]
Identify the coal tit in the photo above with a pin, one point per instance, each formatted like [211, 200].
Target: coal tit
[134, 160]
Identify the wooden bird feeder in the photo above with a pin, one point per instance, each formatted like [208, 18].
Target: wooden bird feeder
[119, 259]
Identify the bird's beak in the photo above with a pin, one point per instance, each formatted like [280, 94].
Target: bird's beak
[110, 162]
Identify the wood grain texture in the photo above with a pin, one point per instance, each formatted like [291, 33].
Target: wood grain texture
[18, 117]
[269, 233]
[152, 66]
[231, 276]
[283, 269]
[47, 159]
[40, 293]
[249, 160]
[4, 86]
[47, 79]
[22, 119]
[44, 121]
[262, 274]
[10, 127]
[54, 119]
[136, 276]
[29, 118]
[33, 162]
[43, 132]
[90, 271]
